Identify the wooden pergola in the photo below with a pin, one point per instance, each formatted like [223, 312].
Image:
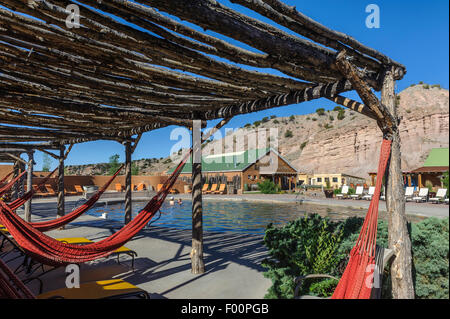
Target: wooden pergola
[134, 66]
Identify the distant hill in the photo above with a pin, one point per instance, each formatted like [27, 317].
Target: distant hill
[347, 143]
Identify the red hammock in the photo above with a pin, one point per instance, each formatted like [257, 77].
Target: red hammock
[6, 177]
[11, 286]
[52, 252]
[8, 186]
[25, 197]
[74, 214]
[357, 280]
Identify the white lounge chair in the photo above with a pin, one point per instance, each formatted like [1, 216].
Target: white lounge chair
[440, 196]
[383, 195]
[344, 192]
[446, 201]
[422, 197]
[409, 193]
[369, 195]
[358, 193]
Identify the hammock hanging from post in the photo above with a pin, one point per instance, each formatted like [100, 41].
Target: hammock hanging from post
[357, 280]
[6, 177]
[8, 186]
[52, 252]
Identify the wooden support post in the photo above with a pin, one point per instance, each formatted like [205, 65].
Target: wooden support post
[419, 180]
[128, 193]
[61, 201]
[15, 188]
[197, 264]
[409, 180]
[29, 184]
[399, 240]
[373, 179]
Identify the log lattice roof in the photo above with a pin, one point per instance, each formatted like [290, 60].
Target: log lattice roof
[134, 66]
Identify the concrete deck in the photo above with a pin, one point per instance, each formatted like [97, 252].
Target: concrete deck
[233, 261]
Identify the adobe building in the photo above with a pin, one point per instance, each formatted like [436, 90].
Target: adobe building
[242, 171]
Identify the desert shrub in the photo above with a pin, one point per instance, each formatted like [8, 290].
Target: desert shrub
[341, 114]
[426, 86]
[288, 134]
[265, 119]
[292, 254]
[331, 118]
[291, 118]
[302, 146]
[268, 187]
[337, 108]
[308, 118]
[436, 86]
[247, 125]
[328, 126]
[275, 121]
[314, 119]
[320, 111]
[272, 117]
[257, 123]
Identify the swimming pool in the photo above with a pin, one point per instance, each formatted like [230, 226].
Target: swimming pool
[230, 216]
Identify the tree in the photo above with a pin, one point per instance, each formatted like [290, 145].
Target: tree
[46, 162]
[134, 169]
[113, 164]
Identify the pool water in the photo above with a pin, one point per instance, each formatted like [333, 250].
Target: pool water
[230, 216]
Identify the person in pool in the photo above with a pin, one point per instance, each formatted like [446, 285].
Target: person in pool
[180, 201]
[172, 201]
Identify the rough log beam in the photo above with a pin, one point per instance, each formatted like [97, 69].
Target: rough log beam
[60, 199]
[128, 190]
[384, 117]
[309, 94]
[353, 105]
[29, 184]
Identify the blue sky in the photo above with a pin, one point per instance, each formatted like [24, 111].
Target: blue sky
[414, 33]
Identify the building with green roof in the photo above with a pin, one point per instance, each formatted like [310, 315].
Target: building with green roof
[431, 172]
[243, 170]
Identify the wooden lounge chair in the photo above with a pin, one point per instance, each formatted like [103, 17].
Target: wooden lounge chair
[205, 188]
[212, 190]
[173, 191]
[69, 192]
[358, 193]
[221, 189]
[141, 187]
[117, 252]
[383, 257]
[79, 189]
[369, 195]
[344, 192]
[158, 188]
[38, 192]
[50, 190]
[409, 192]
[422, 196]
[104, 289]
[440, 196]
[119, 188]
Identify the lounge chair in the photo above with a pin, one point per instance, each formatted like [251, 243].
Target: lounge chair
[358, 193]
[383, 256]
[205, 188]
[141, 187]
[158, 188]
[79, 189]
[446, 201]
[221, 189]
[119, 188]
[344, 192]
[440, 196]
[104, 289]
[369, 195]
[39, 192]
[212, 190]
[422, 197]
[69, 192]
[409, 193]
[50, 190]
[117, 252]
[173, 191]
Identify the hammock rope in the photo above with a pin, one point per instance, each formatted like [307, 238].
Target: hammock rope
[9, 185]
[357, 280]
[3, 180]
[52, 252]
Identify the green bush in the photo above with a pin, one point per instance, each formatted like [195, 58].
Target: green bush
[265, 119]
[337, 108]
[288, 134]
[317, 245]
[268, 187]
[320, 111]
[257, 123]
[303, 145]
[341, 114]
[291, 118]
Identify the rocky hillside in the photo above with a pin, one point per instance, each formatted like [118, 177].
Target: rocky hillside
[338, 141]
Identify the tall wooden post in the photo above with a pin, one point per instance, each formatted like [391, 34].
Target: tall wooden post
[197, 264]
[128, 199]
[15, 188]
[61, 200]
[399, 241]
[29, 184]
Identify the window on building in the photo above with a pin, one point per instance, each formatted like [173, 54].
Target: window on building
[319, 179]
[327, 179]
[335, 179]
